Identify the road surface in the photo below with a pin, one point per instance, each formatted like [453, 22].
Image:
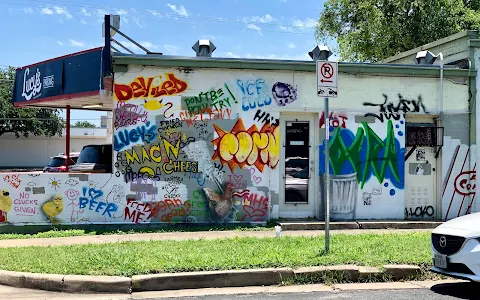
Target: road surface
[396, 291]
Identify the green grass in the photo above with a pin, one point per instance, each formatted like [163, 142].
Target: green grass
[131, 258]
[84, 232]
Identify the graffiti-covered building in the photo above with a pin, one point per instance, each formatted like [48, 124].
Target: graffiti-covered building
[204, 139]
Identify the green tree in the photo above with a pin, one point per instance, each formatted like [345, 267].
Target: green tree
[371, 30]
[84, 124]
[25, 121]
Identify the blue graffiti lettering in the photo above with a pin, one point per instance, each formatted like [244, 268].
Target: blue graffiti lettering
[255, 93]
[125, 137]
[94, 204]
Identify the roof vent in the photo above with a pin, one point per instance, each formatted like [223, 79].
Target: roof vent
[425, 58]
[204, 48]
[320, 53]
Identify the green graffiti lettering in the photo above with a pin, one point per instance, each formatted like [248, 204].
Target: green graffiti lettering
[341, 153]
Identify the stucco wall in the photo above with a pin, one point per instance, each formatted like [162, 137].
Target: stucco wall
[181, 156]
[35, 151]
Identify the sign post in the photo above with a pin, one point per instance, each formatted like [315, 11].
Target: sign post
[327, 88]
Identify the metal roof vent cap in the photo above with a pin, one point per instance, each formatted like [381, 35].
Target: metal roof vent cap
[320, 53]
[425, 58]
[204, 48]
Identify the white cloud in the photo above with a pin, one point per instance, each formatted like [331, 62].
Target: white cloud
[101, 12]
[155, 13]
[60, 43]
[84, 12]
[306, 23]
[253, 27]
[148, 45]
[171, 49]
[180, 10]
[122, 12]
[62, 11]
[75, 43]
[28, 10]
[257, 19]
[46, 11]
[82, 21]
[292, 46]
[138, 22]
[299, 25]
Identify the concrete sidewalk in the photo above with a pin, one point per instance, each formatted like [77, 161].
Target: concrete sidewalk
[101, 239]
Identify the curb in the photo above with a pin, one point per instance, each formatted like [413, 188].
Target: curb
[67, 283]
[196, 280]
[286, 226]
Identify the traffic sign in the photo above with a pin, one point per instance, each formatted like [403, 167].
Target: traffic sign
[327, 78]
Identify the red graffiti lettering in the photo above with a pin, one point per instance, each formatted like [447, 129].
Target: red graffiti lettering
[143, 88]
[205, 115]
[336, 120]
[465, 183]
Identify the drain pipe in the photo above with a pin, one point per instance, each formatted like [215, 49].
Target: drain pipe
[440, 55]
[477, 125]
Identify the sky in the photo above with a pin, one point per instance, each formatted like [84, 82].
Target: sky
[270, 29]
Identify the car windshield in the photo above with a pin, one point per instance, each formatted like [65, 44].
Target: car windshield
[57, 162]
[88, 155]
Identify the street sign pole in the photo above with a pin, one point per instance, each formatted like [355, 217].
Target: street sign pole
[327, 75]
[326, 196]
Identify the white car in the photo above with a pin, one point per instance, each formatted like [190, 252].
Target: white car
[456, 248]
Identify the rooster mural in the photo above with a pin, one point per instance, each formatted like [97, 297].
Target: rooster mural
[221, 204]
[5, 205]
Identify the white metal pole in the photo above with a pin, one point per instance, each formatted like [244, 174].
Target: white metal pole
[327, 178]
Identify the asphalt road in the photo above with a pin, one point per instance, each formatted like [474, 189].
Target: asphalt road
[447, 292]
[440, 291]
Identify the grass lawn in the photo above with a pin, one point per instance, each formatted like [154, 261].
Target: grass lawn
[131, 258]
[54, 233]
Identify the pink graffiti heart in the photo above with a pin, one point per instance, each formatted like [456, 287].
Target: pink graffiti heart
[257, 179]
[238, 178]
[251, 170]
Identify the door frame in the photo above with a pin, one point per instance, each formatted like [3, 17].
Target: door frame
[300, 210]
[435, 120]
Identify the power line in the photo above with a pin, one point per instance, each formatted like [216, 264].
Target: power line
[152, 13]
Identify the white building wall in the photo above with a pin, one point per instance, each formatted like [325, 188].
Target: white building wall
[35, 151]
[191, 160]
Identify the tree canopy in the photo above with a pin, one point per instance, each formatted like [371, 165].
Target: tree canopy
[371, 30]
[25, 121]
[84, 124]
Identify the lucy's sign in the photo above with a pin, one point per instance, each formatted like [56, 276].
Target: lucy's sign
[40, 81]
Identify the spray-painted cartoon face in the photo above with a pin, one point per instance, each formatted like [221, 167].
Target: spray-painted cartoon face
[284, 93]
[72, 194]
[57, 199]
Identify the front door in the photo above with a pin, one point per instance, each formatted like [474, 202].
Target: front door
[420, 175]
[297, 197]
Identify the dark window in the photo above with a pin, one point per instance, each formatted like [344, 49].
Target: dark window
[57, 162]
[421, 136]
[89, 155]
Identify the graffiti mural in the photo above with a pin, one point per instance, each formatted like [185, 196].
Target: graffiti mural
[241, 147]
[204, 146]
[365, 159]
[284, 93]
[255, 93]
[389, 110]
[459, 179]
[153, 87]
